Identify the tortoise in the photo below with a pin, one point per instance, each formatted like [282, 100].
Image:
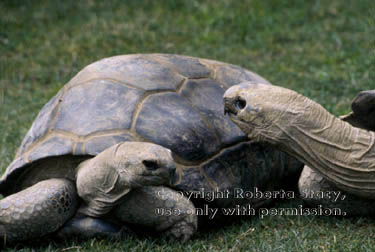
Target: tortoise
[73, 166]
[338, 152]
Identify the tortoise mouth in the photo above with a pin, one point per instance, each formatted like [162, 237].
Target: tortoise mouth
[232, 106]
[246, 127]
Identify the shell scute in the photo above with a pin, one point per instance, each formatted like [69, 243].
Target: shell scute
[96, 106]
[96, 145]
[185, 66]
[41, 124]
[52, 147]
[139, 71]
[230, 75]
[180, 129]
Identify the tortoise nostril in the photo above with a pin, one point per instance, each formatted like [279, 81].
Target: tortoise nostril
[240, 103]
[150, 165]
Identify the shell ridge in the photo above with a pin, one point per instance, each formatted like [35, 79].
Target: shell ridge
[103, 78]
[139, 105]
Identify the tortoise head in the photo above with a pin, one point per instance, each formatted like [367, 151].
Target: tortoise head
[257, 108]
[144, 163]
[248, 106]
[103, 180]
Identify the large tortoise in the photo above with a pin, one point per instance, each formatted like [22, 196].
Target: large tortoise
[78, 139]
[339, 153]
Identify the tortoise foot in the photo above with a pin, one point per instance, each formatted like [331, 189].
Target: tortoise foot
[182, 230]
[88, 227]
[159, 209]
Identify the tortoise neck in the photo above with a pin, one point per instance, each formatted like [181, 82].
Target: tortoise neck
[342, 153]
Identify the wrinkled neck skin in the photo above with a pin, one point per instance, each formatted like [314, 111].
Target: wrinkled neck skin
[343, 154]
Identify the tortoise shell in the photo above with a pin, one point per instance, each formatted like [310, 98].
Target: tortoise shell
[171, 100]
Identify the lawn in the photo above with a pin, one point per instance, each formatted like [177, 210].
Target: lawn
[322, 49]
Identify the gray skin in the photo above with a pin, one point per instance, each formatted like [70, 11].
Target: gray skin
[338, 153]
[169, 100]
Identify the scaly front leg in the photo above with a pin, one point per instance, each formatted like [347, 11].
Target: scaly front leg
[36, 211]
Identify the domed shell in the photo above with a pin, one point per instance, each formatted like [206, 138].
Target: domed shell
[171, 100]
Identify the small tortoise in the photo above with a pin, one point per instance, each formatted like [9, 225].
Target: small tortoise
[107, 132]
[339, 153]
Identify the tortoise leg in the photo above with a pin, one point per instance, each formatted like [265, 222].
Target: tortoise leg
[316, 190]
[38, 210]
[160, 209]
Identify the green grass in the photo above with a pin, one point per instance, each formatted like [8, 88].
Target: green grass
[322, 49]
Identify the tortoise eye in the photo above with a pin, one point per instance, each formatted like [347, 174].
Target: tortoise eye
[240, 103]
[150, 165]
